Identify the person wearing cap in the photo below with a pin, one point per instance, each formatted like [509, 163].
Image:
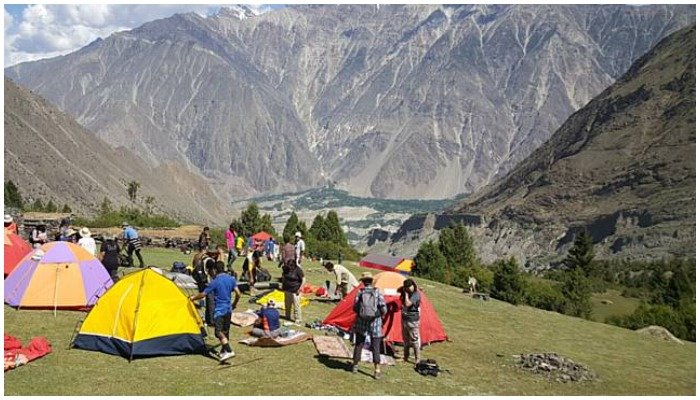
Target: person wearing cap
[365, 327]
[268, 322]
[10, 224]
[345, 281]
[221, 287]
[299, 247]
[132, 240]
[86, 241]
[109, 255]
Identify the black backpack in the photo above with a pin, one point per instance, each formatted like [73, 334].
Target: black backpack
[427, 367]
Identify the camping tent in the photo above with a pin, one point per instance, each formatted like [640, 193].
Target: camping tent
[15, 250]
[143, 314]
[262, 236]
[66, 276]
[387, 263]
[343, 316]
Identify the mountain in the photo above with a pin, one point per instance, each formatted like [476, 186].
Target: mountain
[389, 101]
[622, 168]
[50, 156]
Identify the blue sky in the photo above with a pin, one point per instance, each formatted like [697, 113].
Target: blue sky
[36, 31]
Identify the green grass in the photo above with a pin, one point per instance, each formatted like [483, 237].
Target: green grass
[621, 306]
[483, 337]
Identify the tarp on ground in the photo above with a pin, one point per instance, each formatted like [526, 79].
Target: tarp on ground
[278, 297]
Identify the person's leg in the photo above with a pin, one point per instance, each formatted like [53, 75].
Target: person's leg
[297, 307]
[223, 323]
[376, 355]
[231, 258]
[209, 308]
[415, 338]
[257, 332]
[357, 351]
[138, 254]
[407, 340]
[130, 254]
[274, 334]
[288, 301]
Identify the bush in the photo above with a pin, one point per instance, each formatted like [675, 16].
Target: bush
[483, 276]
[430, 263]
[544, 295]
[329, 250]
[679, 322]
[134, 216]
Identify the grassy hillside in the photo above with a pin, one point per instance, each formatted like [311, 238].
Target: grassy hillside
[483, 336]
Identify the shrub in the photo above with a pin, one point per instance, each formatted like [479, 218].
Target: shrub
[431, 263]
[508, 282]
[544, 295]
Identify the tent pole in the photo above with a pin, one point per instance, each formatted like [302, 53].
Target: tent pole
[136, 315]
[55, 292]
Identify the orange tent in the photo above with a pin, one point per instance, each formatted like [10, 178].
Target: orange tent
[262, 236]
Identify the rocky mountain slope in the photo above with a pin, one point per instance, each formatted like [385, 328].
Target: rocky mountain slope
[391, 101]
[49, 155]
[622, 167]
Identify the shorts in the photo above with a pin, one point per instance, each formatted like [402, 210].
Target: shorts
[222, 324]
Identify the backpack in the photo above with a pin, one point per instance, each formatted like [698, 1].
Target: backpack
[369, 305]
[179, 266]
[427, 367]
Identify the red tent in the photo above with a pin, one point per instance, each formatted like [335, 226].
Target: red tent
[343, 317]
[15, 250]
[262, 236]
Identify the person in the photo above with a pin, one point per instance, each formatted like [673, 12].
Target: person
[288, 254]
[410, 319]
[231, 238]
[345, 281]
[86, 241]
[133, 242]
[10, 224]
[276, 251]
[251, 266]
[268, 322]
[109, 256]
[239, 244]
[299, 247]
[292, 281]
[369, 308]
[221, 287]
[204, 237]
[267, 248]
[250, 244]
[39, 236]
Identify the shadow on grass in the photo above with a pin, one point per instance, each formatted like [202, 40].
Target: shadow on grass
[333, 363]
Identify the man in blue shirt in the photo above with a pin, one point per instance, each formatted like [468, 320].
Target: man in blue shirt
[133, 242]
[222, 286]
[268, 322]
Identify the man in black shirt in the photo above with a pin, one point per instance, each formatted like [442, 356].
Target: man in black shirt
[109, 256]
[410, 318]
[292, 281]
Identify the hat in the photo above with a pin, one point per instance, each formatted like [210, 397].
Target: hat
[38, 255]
[298, 234]
[85, 232]
[271, 303]
[70, 232]
[125, 224]
[366, 276]
[8, 218]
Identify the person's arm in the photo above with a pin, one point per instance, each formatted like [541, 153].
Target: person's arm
[101, 256]
[198, 296]
[382, 305]
[303, 280]
[237, 296]
[406, 298]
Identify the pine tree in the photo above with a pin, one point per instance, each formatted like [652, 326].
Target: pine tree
[13, 198]
[335, 230]
[290, 227]
[131, 189]
[250, 220]
[105, 206]
[508, 282]
[37, 206]
[318, 229]
[66, 209]
[458, 247]
[577, 294]
[581, 254]
[266, 225]
[430, 262]
[679, 288]
[51, 207]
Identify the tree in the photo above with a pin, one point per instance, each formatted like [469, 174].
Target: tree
[290, 227]
[131, 189]
[318, 229]
[577, 294]
[250, 220]
[66, 209]
[458, 247]
[430, 262]
[149, 200]
[679, 288]
[581, 254]
[51, 207]
[105, 206]
[266, 225]
[335, 230]
[508, 282]
[37, 206]
[13, 198]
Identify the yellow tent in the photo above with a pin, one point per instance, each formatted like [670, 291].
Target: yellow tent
[143, 314]
[278, 297]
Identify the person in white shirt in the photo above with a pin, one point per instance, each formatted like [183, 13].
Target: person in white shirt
[299, 248]
[87, 242]
[345, 281]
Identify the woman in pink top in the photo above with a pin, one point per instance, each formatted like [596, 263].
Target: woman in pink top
[231, 243]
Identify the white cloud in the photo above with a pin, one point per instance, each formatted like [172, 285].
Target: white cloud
[48, 30]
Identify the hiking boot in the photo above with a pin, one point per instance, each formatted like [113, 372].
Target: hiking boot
[377, 375]
[224, 355]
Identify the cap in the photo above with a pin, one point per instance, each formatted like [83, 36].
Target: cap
[125, 224]
[298, 234]
[8, 218]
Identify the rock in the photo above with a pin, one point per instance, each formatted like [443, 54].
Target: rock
[659, 332]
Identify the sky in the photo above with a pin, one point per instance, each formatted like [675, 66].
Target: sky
[32, 32]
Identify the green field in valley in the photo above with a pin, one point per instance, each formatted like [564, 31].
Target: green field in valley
[483, 336]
